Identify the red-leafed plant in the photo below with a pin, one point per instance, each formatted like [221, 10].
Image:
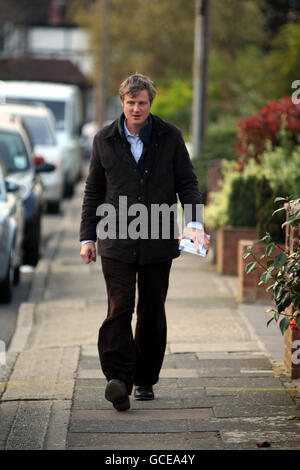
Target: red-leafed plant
[265, 126]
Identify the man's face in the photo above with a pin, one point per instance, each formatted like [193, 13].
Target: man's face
[136, 109]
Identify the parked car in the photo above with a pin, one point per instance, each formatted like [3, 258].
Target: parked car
[11, 236]
[40, 123]
[65, 103]
[89, 130]
[17, 155]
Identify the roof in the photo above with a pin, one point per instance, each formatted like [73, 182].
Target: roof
[37, 90]
[10, 122]
[24, 109]
[49, 70]
[37, 12]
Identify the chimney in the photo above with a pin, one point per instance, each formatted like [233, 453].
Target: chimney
[56, 12]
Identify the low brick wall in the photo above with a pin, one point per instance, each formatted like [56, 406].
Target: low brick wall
[248, 288]
[292, 351]
[227, 247]
[291, 336]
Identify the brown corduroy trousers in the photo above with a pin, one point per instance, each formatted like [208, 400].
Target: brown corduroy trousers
[134, 359]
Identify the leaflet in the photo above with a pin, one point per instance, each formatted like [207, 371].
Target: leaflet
[188, 245]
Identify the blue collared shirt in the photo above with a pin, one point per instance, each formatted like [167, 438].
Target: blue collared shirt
[136, 143]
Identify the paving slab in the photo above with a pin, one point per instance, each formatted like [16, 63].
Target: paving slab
[207, 346]
[30, 426]
[130, 426]
[55, 438]
[144, 415]
[45, 374]
[166, 441]
[8, 411]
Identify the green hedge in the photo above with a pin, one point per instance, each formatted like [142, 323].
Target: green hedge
[220, 142]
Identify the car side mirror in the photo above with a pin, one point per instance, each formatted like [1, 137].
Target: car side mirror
[41, 166]
[44, 167]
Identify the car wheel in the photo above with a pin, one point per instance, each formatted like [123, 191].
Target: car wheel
[69, 189]
[53, 207]
[32, 251]
[6, 286]
[16, 275]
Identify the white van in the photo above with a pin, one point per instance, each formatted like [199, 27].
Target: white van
[65, 103]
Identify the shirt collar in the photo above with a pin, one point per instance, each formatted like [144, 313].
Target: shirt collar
[127, 132]
[145, 132]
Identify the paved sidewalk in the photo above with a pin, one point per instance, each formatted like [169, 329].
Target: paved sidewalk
[219, 388]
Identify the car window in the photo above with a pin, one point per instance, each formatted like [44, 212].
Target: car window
[13, 152]
[40, 130]
[58, 108]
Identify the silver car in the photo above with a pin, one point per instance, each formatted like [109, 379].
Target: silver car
[65, 102]
[40, 124]
[11, 237]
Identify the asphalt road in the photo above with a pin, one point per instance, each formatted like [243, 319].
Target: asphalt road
[8, 312]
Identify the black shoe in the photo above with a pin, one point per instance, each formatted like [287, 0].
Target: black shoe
[144, 392]
[116, 392]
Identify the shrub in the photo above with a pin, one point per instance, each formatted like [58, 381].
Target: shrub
[265, 125]
[282, 269]
[174, 102]
[265, 206]
[217, 212]
[248, 195]
[241, 203]
[219, 144]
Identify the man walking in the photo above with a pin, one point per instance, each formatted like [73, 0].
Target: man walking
[143, 159]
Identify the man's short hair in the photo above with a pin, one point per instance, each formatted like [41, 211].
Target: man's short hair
[135, 84]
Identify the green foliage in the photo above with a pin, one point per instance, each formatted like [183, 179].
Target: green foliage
[241, 204]
[276, 14]
[217, 212]
[280, 166]
[236, 25]
[234, 204]
[219, 144]
[264, 203]
[276, 173]
[174, 102]
[282, 64]
[283, 270]
[237, 86]
[155, 38]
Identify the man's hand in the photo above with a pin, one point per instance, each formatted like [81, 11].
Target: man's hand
[198, 236]
[88, 252]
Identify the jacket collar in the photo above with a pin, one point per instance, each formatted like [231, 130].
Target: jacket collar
[145, 132]
[116, 128]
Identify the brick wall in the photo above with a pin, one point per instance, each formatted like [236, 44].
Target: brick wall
[291, 241]
[290, 336]
[248, 288]
[227, 247]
